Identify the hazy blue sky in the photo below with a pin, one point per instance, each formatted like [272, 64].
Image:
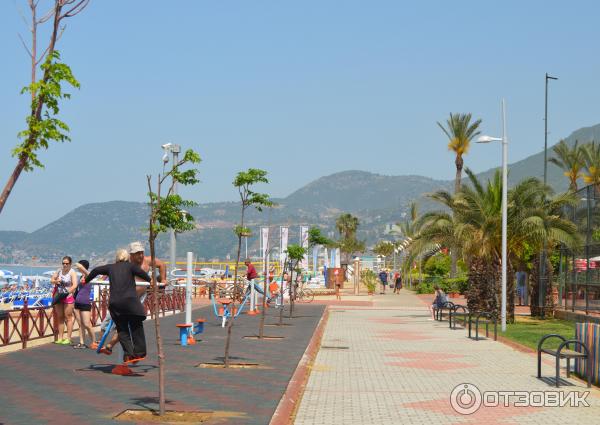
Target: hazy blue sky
[302, 89]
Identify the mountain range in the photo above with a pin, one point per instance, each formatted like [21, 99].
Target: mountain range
[95, 230]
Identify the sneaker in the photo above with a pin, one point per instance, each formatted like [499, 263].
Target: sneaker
[65, 341]
[80, 346]
[132, 359]
[93, 345]
[106, 350]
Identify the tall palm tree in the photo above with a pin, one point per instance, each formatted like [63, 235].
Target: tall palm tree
[346, 224]
[570, 160]
[591, 153]
[460, 132]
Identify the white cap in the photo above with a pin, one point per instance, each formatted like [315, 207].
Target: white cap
[136, 247]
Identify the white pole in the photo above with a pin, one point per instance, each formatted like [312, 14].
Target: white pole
[504, 211]
[175, 150]
[188, 290]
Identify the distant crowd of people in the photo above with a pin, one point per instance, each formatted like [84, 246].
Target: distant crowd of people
[128, 281]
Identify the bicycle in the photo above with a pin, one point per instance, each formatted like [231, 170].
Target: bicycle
[304, 295]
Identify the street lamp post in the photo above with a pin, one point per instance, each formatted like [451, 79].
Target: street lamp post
[174, 149]
[504, 140]
[542, 268]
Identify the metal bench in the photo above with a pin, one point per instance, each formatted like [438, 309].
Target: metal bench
[563, 352]
[438, 312]
[483, 317]
[459, 311]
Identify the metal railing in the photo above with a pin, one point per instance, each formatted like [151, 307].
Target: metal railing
[30, 324]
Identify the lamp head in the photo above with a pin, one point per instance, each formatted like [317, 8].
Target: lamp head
[165, 158]
[488, 139]
[167, 146]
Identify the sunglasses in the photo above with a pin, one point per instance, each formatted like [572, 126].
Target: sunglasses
[66, 264]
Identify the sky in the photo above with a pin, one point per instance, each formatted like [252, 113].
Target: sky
[301, 89]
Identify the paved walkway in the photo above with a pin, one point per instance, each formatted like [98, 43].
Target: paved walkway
[53, 384]
[389, 364]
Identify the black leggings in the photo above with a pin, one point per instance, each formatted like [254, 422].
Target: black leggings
[131, 335]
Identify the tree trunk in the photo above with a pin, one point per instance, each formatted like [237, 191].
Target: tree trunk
[159, 344]
[235, 276]
[290, 290]
[534, 277]
[453, 249]
[230, 324]
[483, 288]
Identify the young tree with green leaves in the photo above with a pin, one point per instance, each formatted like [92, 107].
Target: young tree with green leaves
[168, 211]
[43, 126]
[295, 254]
[243, 182]
[384, 248]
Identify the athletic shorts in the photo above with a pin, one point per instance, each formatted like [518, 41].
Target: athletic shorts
[83, 307]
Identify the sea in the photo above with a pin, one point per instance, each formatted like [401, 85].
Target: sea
[28, 270]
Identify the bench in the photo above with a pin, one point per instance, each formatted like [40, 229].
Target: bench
[483, 317]
[459, 311]
[438, 312]
[564, 352]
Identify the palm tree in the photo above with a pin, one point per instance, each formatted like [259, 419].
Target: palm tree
[460, 132]
[346, 224]
[591, 153]
[571, 160]
[475, 222]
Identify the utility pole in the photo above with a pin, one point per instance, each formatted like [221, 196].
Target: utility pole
[542, 277]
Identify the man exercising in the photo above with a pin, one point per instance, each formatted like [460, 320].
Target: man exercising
[136, 256]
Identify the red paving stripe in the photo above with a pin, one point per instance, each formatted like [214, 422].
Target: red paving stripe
[344, 303]
[427, 355]
[499, 415]
[437, 365]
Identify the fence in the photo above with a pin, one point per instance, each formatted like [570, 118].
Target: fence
[579, 268]
[30, 324]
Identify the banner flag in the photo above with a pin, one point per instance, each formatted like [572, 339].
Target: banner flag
[304, 244]
[283, 243]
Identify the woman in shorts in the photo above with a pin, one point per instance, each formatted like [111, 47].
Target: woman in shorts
[66, 278]
[83, 308]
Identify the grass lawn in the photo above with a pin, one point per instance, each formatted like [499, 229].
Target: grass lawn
[528, 331]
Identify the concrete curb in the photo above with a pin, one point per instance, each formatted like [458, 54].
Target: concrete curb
[293, 393]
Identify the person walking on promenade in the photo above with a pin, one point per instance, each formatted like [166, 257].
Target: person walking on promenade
[83, 307]
[65, 280]
[251, 274]
[383, 277]
[397, 283]
[136, 256]
[125, 308]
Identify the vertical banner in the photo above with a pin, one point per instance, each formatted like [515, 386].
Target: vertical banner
[304, 244]
[332, 261]
[264, 237]
[283, 244]
[315, 259]
[338, 258]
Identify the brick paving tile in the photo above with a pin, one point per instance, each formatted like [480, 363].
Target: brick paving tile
[400, 368]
